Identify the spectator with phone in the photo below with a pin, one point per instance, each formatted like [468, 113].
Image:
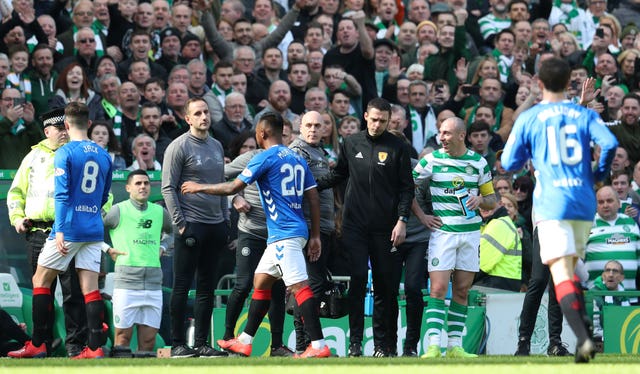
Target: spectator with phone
[18, 129]
[603, 42]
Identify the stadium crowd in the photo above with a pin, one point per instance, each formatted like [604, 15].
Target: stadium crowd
[468, 67]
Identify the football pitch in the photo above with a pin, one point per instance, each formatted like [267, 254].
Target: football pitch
[602, 364]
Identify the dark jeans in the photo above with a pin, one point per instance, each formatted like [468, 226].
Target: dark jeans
[75, 315]
[248, 253]
[196, 254]
[413, 257]
[540, 277]
[364, 246]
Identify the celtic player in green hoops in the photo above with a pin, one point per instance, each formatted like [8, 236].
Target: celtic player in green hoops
[460, 183]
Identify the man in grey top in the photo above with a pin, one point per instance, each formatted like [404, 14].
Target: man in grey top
[202, 224]
[309, 146]
[252, 241]
[143, 231]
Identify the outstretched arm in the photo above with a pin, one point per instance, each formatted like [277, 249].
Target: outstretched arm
[227, 188]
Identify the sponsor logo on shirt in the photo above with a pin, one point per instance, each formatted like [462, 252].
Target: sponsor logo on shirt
[58, 172]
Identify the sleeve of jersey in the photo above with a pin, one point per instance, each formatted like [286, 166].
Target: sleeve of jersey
[608, 143]
[485, 183]
[309, 181]
[515, 152]
[17, 193]
[106, 195]
[423, 170]
[254, 169]
[61, 194]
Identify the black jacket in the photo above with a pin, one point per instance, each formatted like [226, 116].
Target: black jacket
[380, 186]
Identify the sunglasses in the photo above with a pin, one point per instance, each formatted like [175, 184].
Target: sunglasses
[521, 188]
[85, 41]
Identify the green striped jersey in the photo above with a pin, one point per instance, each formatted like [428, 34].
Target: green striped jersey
[491, 24]
[618, 241]
[446, 174]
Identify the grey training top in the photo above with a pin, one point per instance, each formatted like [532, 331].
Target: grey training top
[316, 158]
[253, 222]
[189, 158]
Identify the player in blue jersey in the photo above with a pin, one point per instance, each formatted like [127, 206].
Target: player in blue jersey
[82, 183]
[556, 136]
[283, 179]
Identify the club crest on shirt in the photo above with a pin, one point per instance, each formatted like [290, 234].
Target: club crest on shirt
[58, 172]
[382, 156]
[247, 173]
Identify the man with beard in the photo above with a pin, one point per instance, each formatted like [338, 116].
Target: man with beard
[278, 102]
[495, 21]
[150, 123]
[627, 130]
[42, 77]
[270, 72]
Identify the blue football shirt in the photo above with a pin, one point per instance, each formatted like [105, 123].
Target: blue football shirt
[557, 138]
[82, 184]
[282, 177]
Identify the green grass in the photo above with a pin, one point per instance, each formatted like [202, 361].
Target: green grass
[603, 364]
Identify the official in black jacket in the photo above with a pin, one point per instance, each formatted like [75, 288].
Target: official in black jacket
[376, 208]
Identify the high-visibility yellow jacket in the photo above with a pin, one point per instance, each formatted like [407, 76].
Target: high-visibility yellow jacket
[501, 249]
[31, 192]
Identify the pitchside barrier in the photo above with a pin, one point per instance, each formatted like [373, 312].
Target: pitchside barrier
[492, 325]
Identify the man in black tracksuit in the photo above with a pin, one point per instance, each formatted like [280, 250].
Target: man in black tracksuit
[377, 205]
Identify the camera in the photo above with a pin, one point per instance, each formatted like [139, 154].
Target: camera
[19, 101]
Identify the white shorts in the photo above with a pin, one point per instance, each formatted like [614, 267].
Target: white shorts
[137, 307]
[86, 254]
[284, 259]
[449, 251]
[562, 238]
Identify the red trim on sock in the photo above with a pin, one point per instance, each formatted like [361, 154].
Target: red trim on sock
[261, 294]
[303, 295]
[92, 296]
[41, 291]
[576, 278]
[568, 288]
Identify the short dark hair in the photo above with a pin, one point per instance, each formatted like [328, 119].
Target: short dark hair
[631, 96]
[222, 65]
[555, 74]
[157, 81]
[150, 105]
[341, 91]
[514, 2]
[77, 114]
[615, 174]
[478, 126]
[138, 32]
[296, 62]
[136, 172]
[380, 104]
[273, 122]
[42, 46]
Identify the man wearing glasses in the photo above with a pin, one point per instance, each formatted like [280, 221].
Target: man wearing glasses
[86, 55]
[614, 236]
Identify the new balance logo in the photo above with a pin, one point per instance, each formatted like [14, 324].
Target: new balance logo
[359, 155]
[146, 224]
